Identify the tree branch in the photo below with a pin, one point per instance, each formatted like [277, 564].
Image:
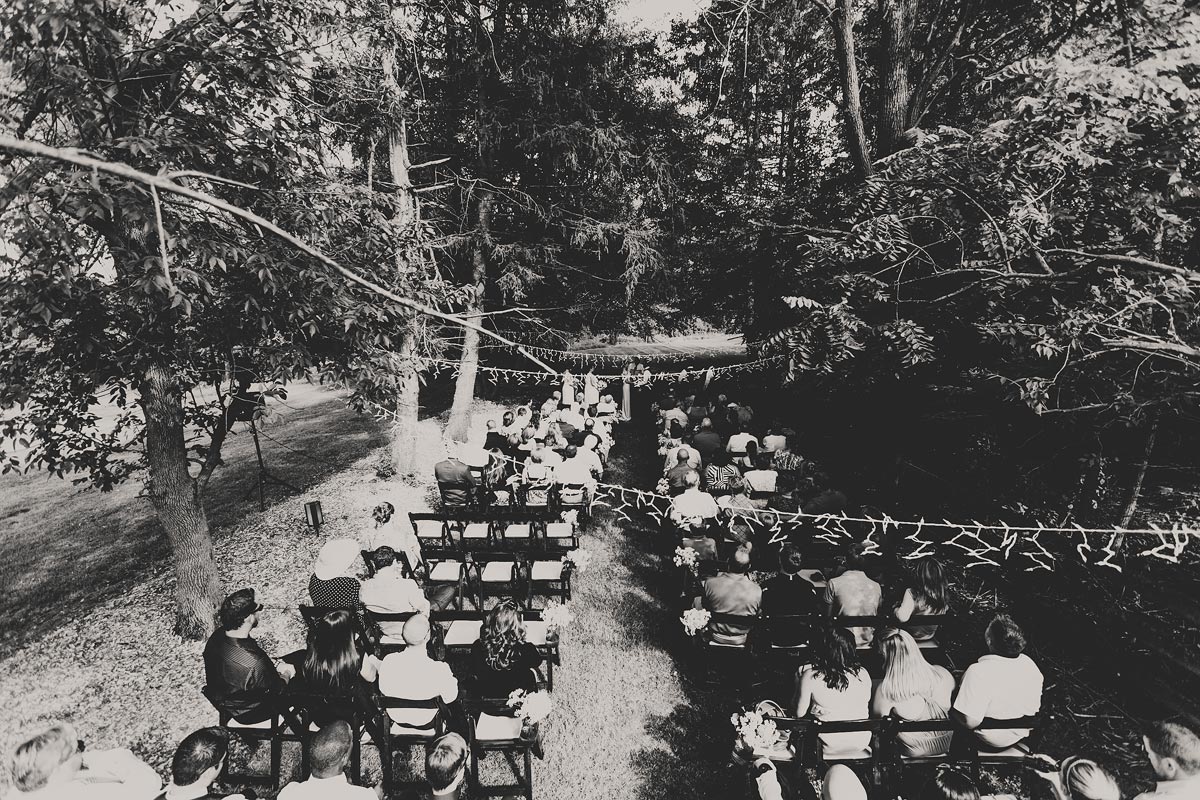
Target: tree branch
[1133, 261]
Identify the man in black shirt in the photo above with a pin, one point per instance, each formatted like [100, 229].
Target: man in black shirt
[240, 677]
[789, 594]
[196, 766]
[707, 441]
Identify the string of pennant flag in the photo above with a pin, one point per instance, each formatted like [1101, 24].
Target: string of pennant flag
[497, 374]
[581, 357]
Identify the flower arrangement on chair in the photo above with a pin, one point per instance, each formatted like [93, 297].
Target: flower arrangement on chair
[571, 517]
[758, 736]
[695, 620]
[557, 616]
[662, 487]
[578, 559]
[530, 707]
[688, 557]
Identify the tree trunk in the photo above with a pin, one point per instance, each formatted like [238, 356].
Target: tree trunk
[464, 391]
[404, 431]
[178, 506]
[842, 20]
[895, 57]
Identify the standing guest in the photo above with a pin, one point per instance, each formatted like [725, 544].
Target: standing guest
[591, 389]
[446, 767]
[391, 532]
[455, 479]
[720, 476]
[55, 765]
[676, 475]
[388, 591]
[1005, 684]
[693, 509]
[774, 441]
[913, 690]
[412, 675]
[927, 595]
[706, 441]
[239, 677]
[626, 392]
[836, 688]
[854, 594]
[693, 457]
[731, 591]
[788, 594]
[1080, 779]
[737, 442]
[329, 753]
[494, 440]
[331, 584]
[198, 761]
[1174, 752]
[502, 661]
[333, 669]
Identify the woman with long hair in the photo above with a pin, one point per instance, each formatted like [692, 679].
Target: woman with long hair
[913, 689]
[502, 661]
[333, 666]
[928, 594]
[835, 687]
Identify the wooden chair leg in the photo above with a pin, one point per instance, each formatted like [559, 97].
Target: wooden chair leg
[276, 761]
[528, 776]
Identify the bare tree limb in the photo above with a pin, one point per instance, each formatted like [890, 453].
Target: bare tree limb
[1135, 261]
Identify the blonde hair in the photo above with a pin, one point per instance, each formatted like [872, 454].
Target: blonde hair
[906, 673]
[40, 756]
[1087, 780]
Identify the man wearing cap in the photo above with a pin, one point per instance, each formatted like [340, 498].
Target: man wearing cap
[239, 676]
[412, 675]
[331, 584]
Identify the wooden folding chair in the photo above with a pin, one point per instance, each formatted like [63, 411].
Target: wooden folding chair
[494, 729]
[404, 736]
[499, 575]
[283, 725]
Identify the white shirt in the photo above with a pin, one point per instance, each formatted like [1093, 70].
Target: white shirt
[592, 459]
[574, 470]
[389, 592]
[1001, 688]
[761, 480]
[737, 442]
[694, 461]
[412, 675]
[694, 503]
[774, 442]
[397, 536]
[335, 788]
[107, 775]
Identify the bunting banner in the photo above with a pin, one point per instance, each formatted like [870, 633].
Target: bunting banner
[497, 374]
[582, 357]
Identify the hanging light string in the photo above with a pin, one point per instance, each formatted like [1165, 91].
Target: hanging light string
[529, 376]
[581, 356]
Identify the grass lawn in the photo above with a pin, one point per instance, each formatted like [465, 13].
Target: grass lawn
[66, 547]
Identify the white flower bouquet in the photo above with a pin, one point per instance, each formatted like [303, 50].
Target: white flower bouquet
[557, 616]
[758, 736]
[571, 517]
[531, 708]
[688, 557]
[578, 559]
[695, 620]
[662, 487]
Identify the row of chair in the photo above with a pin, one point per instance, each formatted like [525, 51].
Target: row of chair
[495, 529]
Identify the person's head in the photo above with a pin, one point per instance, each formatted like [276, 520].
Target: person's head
[841, 783]
[579, 397]
[383, 557]
[906, 673]
[790, 558]
[508, 418]
[691, 480]
[751, 451]
[929, 587]
[383, 512]
[446, 763]
[720, 459]
[491, 425]
[762, 460]
[329, 751]
[1174, 750]
[528, 434]
[950, 784]
[503, 635]
[589, 424]
[1004, 637]
[416, 630]
[856, 557]
[335, 558]
[706, 424]
[198, 757]
[332, 660]
[1084, 779]
[835, 658]
[52, 756]
[523, 411]
[239, 611]
[682, 455]
[556, 396]
[571, 451]
[739, 562]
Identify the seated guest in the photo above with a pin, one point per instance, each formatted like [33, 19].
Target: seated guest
[54, 765]
[1174, 752]
[854, 594]
[494, 440]
[329, 753]
[731, 591]
[239, 676]
[696, 410]
[391, 532]
[388, 591]
[1005, 684]
[555, 440]
[455, 480]
[739, 503]
[502, 661]
[720, 476]
[528, 442]
[693, 509]
[446, 767]
[570, 417]
[607, 407]
[549, 457]
[197, 763]
[1080, 779]
[706, 441]
[331, 584]
[333, 668]
[412, 675]
[785, 459]
[589, 456]
[926, 595]
[950, 784]
[738, 441]
[577, 467]
[508, 424]
[761, 479]
[913, 689]
[672, 458]
[788, 594]
[774, 441]
[551, 404]
[537, 478]
[748, 460]
[835, 687]
[743, 412]
[676, 474]
[674, 420]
